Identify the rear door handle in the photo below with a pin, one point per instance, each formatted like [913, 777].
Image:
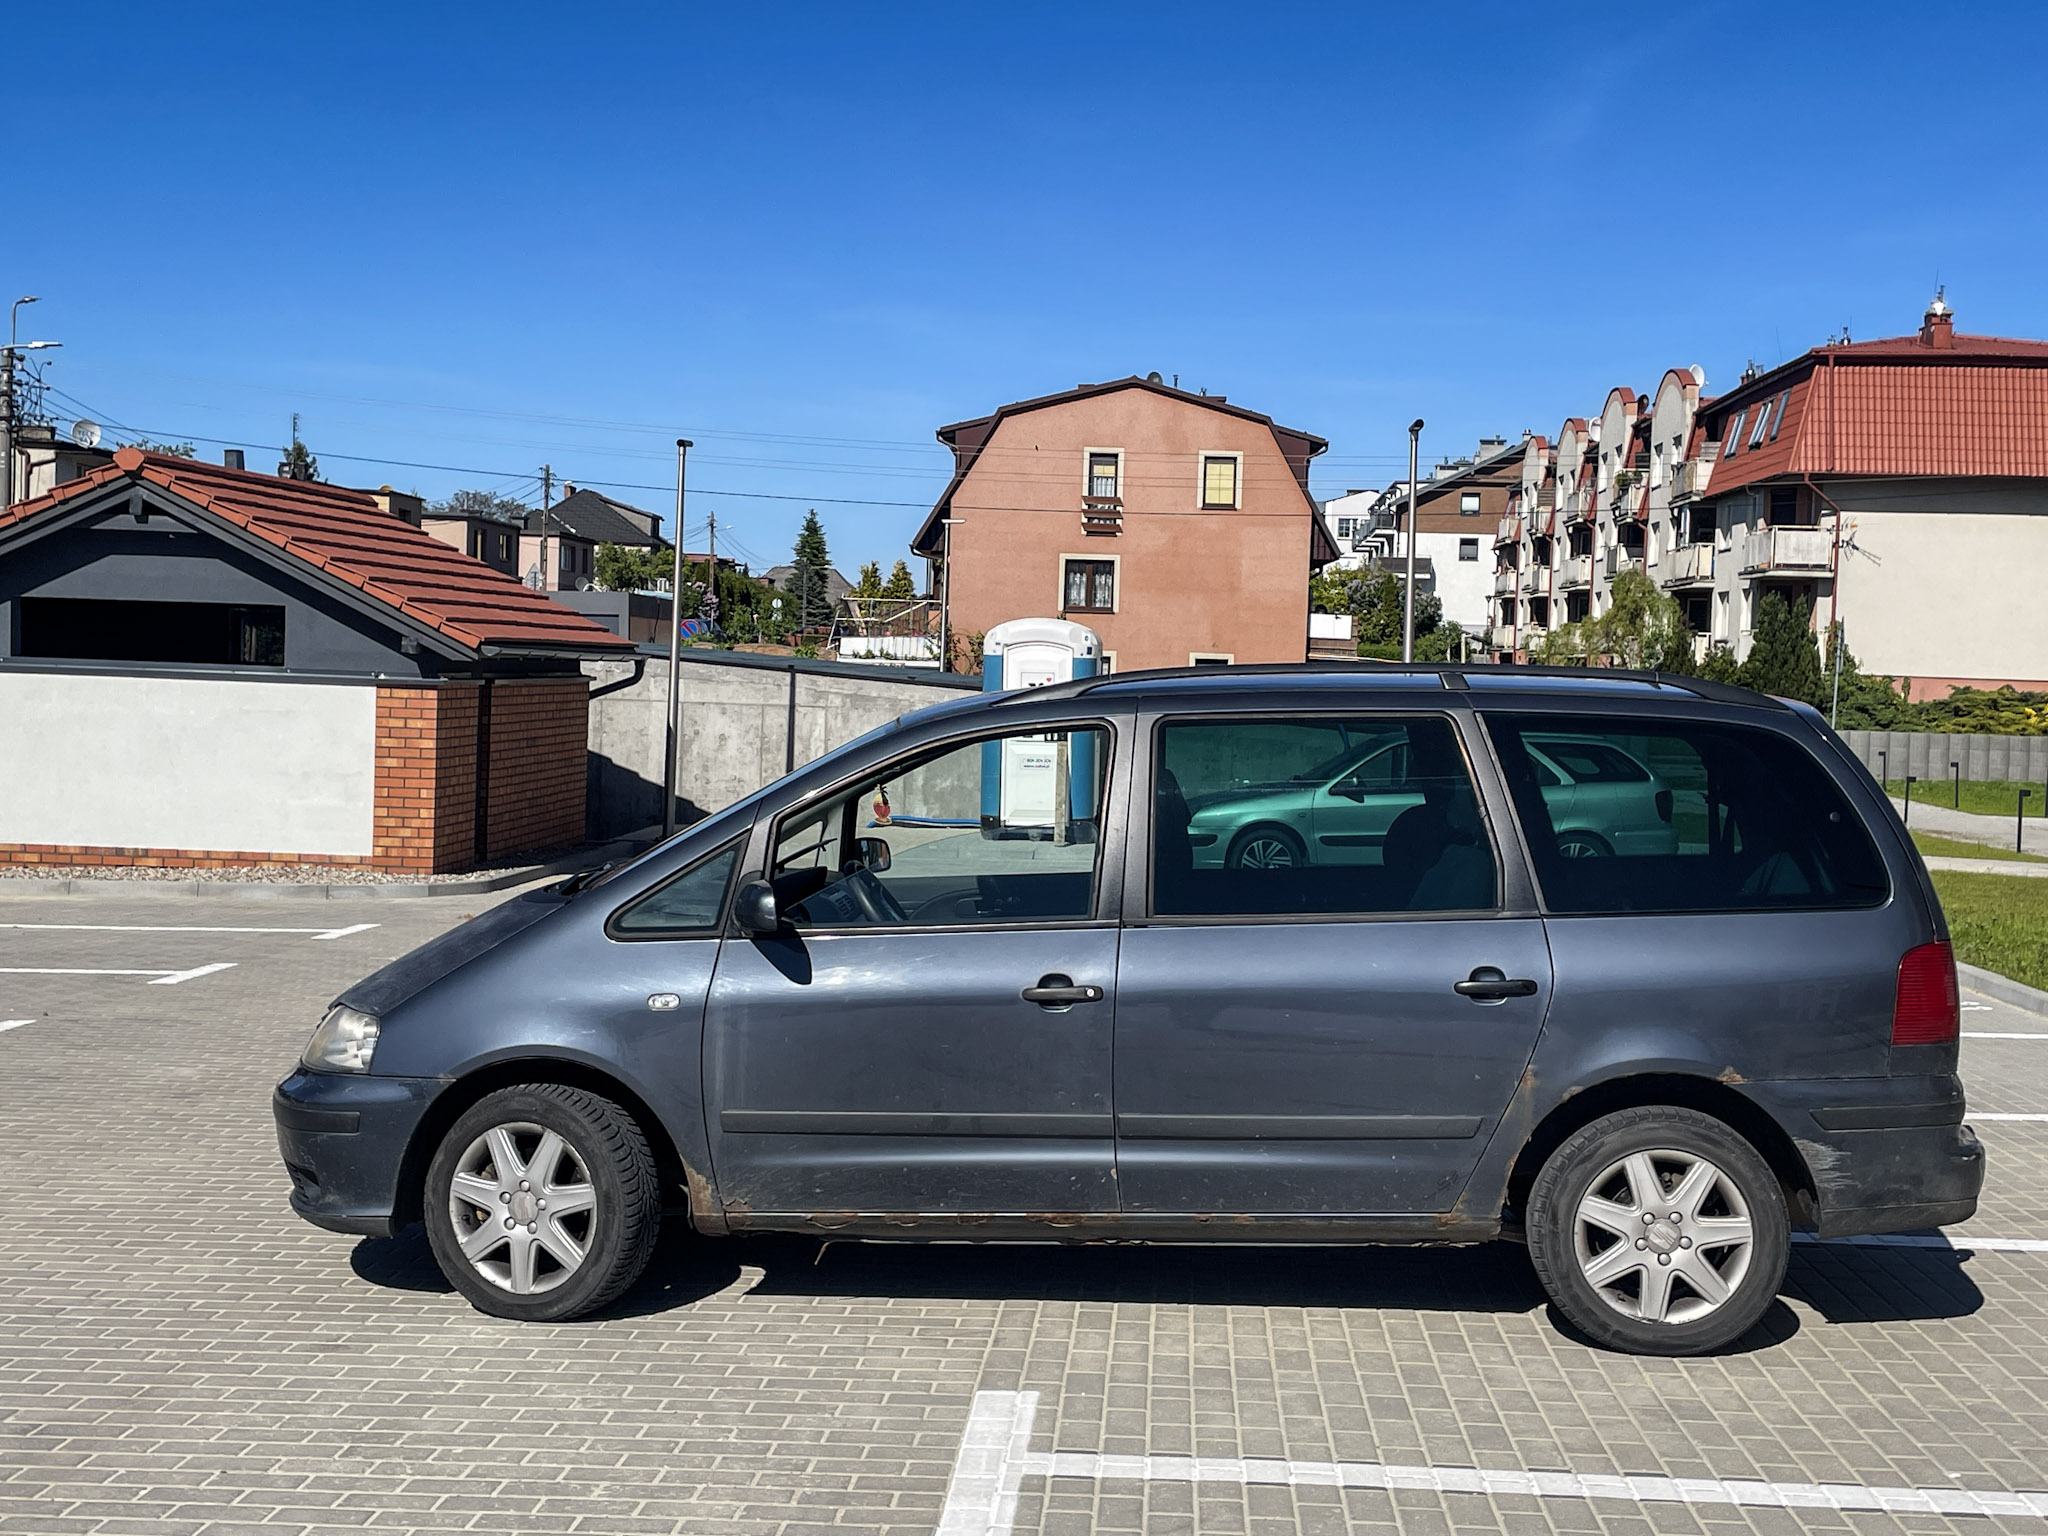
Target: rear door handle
[1060, 992]
[1488, 984]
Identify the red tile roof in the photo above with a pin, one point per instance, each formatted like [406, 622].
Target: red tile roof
[1894, 407]
[344, 534]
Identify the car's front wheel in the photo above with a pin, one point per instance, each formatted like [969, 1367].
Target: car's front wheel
[1266, 848]
[1660, 1231]
[542, 1202]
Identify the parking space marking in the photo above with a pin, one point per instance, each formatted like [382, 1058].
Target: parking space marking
[1927, 1240]
[2007, 1117]
[7, 1024]
[994, 1459]
[163, 978]
[1972, 1034]
[316, 933]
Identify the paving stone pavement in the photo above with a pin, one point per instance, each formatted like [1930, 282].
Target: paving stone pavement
[179, 1354]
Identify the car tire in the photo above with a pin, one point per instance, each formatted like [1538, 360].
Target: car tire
[1583, 845]
[1268, 847]
[1659, 1231]
[511, 1154]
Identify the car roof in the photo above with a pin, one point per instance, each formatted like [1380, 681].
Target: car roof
[1246, 683]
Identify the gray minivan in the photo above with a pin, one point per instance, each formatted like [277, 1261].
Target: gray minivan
[969, 977]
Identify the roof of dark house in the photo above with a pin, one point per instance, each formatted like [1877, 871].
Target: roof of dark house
[836, 585]
[346, 537]
[585, 514]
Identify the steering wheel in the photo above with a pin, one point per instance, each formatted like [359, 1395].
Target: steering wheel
[876, 904]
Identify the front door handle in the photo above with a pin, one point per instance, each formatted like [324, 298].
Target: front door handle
[1060, 992]
[1489, 984]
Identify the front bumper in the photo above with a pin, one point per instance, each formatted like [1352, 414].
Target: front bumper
[343, 1136]
[1885, 1154]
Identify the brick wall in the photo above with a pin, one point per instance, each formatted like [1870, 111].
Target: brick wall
[426, 761]
[540, 733]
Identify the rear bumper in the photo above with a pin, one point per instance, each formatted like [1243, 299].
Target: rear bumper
[343, 1137]
[1883, 1154]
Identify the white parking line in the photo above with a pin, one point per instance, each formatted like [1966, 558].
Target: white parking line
[163, 978]
[7, 1024]
[995, 1458]
[1974, 1034]
[317, 933]
[1975, 1116]
[1958, 1242]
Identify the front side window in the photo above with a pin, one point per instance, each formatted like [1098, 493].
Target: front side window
[1219, 480]
[1686, 816]
[1089, 586]
[997, 831]
[1102, 474]
[685, 906]
[1286, 815]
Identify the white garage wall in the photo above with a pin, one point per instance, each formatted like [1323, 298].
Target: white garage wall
[142, 762]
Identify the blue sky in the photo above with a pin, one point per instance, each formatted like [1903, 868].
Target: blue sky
[805, 236]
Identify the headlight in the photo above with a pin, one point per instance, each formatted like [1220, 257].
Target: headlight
[344, 1042]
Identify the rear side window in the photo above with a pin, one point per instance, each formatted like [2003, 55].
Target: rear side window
[1315, 816]
[1638, 815]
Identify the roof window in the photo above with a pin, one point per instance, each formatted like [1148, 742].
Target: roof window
[1778, 420]
[1763, 420]
[1734, 437]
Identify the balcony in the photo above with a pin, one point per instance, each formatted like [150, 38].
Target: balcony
[1506, 581]
[1787, 549]
[1689, 480]
[1536, 579]
[1689, 565]
[1509, 531]
[1575, 571]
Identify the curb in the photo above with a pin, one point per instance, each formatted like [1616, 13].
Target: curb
[2003, 989]
[1938, 861]
[257, 890]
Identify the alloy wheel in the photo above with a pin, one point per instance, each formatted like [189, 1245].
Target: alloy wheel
[523, 1207]
[1266, 853]
[1664, 1236]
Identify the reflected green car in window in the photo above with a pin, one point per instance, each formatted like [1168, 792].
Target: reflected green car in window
[1601, 802]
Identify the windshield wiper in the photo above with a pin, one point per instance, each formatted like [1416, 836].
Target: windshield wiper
[581, 878]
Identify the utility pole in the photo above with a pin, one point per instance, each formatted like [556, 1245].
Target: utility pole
[1408, 597]
[675, 650]
[711, 576]
[7, 416]
[547, 491]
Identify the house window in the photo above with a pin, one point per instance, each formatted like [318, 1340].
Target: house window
[504, 546]
[1763, 420]
[1219, 480]
[198, 634]
[1468, 549]
[1468, 503]
[1778, 416]
[1345, 525]
[476, 543]
[1784, 506]
[1210, 658]
[1090, 586]
[1102, 474]
[1734, 438]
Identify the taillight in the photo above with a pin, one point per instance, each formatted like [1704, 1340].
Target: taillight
[1927, 1010]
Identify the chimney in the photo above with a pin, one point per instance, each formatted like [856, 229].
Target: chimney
[1938, 325]
[231, 458]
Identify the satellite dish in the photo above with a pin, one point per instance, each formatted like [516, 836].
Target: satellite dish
[85, 433]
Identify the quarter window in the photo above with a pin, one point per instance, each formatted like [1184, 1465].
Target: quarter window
[1219, 480]
[1089, 586]
[686, 905]
[1659, 816]
[997, 831]
[1316, 816]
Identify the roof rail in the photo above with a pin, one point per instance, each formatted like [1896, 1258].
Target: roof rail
[1450, 677]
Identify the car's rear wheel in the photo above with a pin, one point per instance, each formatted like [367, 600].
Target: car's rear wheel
[1660, 1231]
[542, 1203]
[1266, 848]
[1583, 845]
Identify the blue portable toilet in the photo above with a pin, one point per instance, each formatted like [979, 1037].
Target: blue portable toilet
[1020, 774]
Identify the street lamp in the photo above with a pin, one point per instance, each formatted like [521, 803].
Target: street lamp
[14, 315]
[1408, 598]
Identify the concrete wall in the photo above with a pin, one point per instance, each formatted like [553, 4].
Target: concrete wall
[1926, 755]
[186, 763]
[735, 733]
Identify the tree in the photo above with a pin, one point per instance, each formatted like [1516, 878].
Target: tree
[1642, 627]
[901, 584]
[168, 450]
[623, 568]
[810, 562]
[1783, 658]
[1857, 701]
[481, 504]
[1373, 599]
[870, 583]
[298, 463]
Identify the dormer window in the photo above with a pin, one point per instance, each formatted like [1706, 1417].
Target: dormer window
[1104, 472]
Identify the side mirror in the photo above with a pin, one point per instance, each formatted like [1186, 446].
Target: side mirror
[1349, 789]
[873, 854]
[753, 908]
